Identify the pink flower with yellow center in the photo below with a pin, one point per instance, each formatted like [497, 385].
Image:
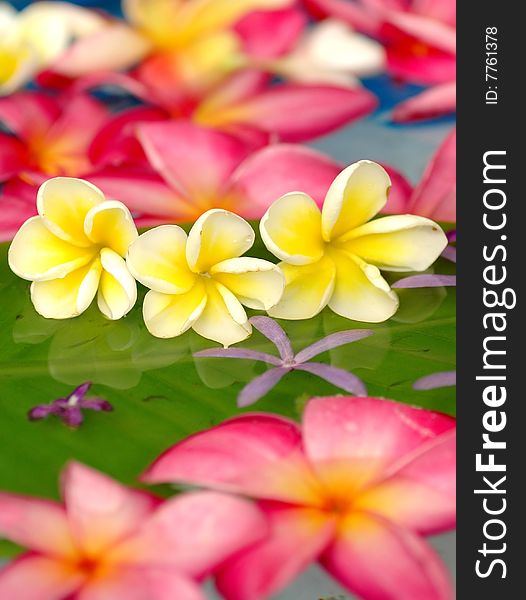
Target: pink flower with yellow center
[108, 541]
[355, 487]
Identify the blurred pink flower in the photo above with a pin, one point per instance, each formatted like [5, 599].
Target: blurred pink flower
[420, 40]
[109, 541]
[356, 487]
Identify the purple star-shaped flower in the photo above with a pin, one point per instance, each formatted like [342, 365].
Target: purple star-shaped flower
[436, 380]
[288, 361]
[70, 409]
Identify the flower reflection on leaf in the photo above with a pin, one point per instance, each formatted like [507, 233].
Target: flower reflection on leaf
[288, 361]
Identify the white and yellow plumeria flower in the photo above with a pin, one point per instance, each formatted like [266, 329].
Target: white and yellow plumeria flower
[201, 281]
[334, 256]
[75, 248]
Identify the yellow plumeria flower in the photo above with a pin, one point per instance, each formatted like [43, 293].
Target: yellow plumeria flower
[201, 281]
[74, 249]
[334, 257]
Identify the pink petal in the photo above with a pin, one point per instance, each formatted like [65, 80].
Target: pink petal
[377, 560]
[276, 170]
[195, 161]
[241, 85]
[434, 102]
[400, 194]
[29, 114]
[143, 192]
[116, 142]
[37, 524]
[100, 510]
[268, 34]
[435, 195]
[104, 79]
[354, 13]
[296, 113]
[421, 493]
[441, 10]
[34, 577]
[17, 204]
[256, 455]
[142, 584]
[195, 532]
[342, 427]
[297, 537]
[431, 32]
[13, 156]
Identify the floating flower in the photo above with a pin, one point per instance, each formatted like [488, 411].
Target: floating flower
[289, 361]
[333, 257]
[74, 250]
[357, 486]
[109, 541]
[70, 409]
[201, 281]
[436, 380]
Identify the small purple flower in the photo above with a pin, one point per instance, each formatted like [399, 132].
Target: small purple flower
[436, 380]
[70, 409]
[288, 361]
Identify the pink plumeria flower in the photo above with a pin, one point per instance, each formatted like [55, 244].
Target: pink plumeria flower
[435, 195]
[420, 40]
[355, 487]
[108, 541]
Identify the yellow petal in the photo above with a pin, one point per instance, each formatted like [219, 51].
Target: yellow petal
[117, 290]
[18, 65]
[256, 283]
[37, 254]
[168, 315]
[157, 259]
[67, 297]
[111, 225]
[355, 196]
[157, 19]
[291, 229]
[360, 291]
[308, 288]
[397, 243]
[224, 319]
[217, 235]
[63, 203]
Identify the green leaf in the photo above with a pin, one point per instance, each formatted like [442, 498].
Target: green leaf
[161, 394]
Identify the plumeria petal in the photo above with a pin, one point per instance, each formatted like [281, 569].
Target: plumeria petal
[242, 353]
[35, 577]
[260, 385]
[194, 533]
[63, 216]
[100, 510]
[168, 316]
[157, 259]
[278, 169]
[255, 282]
[29, 114]
[69, 296]
[308, 289]
[298, 536]
[13, 156]
[399, 197]
[223, 318]
[435, 195]
[196, 162]
[420, 495]
[37, 254]
[332, 341]
[397, 243]
[216, 236]
[360, 291]
[275, 333]
[434, 102]
[338, 377]
[110, 225]
[381, 430]
[362, 559]
[436, 380]
[420, 281]
[260, 455]
[40, 525]
[357, 194]
[117, 290]
[18, 205]
[290, 229]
